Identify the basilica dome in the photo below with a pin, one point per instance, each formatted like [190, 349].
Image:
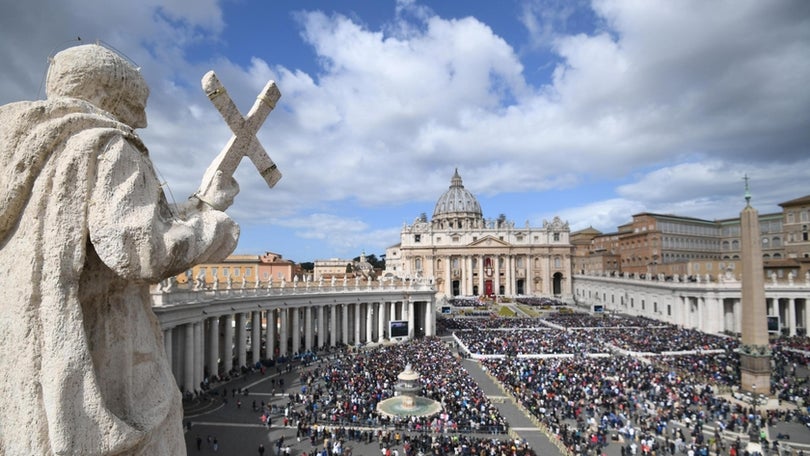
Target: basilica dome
[457, 202]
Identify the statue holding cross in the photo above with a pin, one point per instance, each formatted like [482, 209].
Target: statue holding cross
[87, 227]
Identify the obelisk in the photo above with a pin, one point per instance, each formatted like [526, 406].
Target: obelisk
[755, 351]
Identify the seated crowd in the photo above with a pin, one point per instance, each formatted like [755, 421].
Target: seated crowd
[669, 339]
[539, 301]
[583, 400]
[529, 341]
[581, 320]
[346, 390]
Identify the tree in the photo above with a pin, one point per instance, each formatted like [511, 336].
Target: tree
[376, 263]
[307, 266]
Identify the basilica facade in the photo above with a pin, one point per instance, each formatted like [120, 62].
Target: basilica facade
[468, 255]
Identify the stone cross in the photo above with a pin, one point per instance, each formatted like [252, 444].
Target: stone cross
[244, 141]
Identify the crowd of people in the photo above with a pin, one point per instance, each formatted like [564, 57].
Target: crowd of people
[346, 389]
[539, 301]
[464, 445]
[583, 320]
[584, 400]
[514, 336]
[664, 339]
[528, 342]
[465, 302]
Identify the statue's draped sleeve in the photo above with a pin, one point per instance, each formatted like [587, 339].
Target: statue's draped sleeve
[132, 227]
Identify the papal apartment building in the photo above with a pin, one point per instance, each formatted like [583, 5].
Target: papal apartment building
[468, 255]
[653, 244]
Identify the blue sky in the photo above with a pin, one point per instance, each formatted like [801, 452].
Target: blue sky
[591, 111]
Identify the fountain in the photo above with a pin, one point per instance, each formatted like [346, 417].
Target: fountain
[407, 401]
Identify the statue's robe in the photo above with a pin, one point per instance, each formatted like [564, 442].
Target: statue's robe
[84, 230]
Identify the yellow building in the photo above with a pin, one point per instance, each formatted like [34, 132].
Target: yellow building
[247, 269]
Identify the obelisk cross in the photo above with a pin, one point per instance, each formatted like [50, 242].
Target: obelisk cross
[244, 141]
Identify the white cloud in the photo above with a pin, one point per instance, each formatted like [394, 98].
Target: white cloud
[604, 215]
[674, 99]
[346, 235]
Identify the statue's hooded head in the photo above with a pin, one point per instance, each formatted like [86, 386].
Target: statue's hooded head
[102, 77]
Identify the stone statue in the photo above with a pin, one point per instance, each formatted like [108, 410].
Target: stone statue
[87, 228]
[199, 282]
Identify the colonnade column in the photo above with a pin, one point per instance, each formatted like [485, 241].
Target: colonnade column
[270, 334]
[370, 322]
[345, 323]
[255, 337]
[357, 323]
[806, 317]
[333, 325]
[227, 346]
[213, 345]
[380, 321]
[282, 343]
[393, 314]
[430, 314]
[199, 354]
[188, 358]
[308, 328]
[411, 329]
[321, 338]
[792, 316]
[296, 330]
[241, 340]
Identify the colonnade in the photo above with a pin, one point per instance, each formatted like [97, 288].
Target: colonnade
[202, 339]
[712, 307]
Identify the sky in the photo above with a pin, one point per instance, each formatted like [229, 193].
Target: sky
[590, 111]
